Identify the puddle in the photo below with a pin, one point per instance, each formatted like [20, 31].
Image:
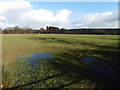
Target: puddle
[90, 60]
[34, 58]
[102, 72]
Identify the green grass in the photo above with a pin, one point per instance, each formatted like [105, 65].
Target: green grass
[66, 70]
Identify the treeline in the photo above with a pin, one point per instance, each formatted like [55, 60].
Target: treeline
[56, 30]
[18, 30]
[100, 31]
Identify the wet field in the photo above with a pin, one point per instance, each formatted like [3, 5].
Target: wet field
[60, 61]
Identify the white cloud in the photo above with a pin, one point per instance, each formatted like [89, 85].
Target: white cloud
[23, 14]
[11, 11]
[43, 17]
[107, 19]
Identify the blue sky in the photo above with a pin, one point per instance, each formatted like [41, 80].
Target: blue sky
[84, 7]
[62, 14]
[78, 8]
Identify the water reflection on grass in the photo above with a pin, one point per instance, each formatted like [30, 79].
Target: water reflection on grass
[48, 71]
[102, 72]
[35, 58]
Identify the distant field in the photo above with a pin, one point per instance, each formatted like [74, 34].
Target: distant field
[66, 70]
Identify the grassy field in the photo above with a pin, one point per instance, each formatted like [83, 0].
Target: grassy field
[66, 70]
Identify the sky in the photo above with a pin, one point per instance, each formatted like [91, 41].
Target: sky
[61, 14]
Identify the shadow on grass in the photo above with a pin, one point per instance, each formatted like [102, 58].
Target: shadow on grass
[69, 64]
[68, 71]
[102, 74]
[109, 38]
[30, 83]
[100, 46]
[62, 41]
[51, 39]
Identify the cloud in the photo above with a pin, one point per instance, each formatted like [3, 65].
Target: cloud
[22, 13]
[11, 11]
[107, 19]
[43, 17]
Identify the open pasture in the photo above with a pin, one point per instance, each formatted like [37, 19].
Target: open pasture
[70, 65]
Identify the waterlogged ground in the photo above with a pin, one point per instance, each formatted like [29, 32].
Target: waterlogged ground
[35, 58]
[60, 61]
